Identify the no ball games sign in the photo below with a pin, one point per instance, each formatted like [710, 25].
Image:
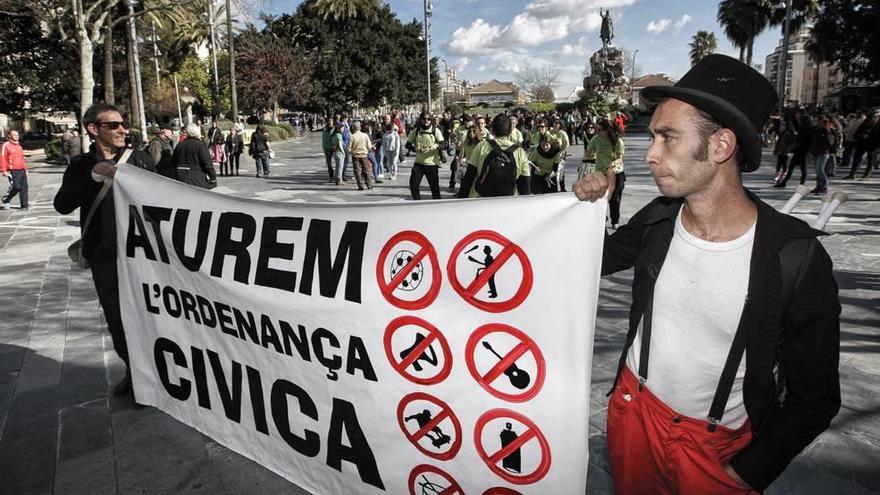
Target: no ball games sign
[368, 348]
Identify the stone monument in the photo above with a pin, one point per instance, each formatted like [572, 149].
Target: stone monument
[606, 65]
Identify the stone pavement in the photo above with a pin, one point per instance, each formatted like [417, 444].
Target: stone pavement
[62, 432]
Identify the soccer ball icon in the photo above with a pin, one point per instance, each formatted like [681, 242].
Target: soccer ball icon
[400, 261]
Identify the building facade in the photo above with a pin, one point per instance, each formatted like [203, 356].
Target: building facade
[794, 69]
[494, 92]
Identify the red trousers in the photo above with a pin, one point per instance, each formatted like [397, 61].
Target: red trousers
[654, 450]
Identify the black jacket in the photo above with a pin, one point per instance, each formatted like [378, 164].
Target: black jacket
[193, 163]
[804, 339]
[79, 190]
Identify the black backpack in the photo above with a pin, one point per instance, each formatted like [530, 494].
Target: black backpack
[498, 175]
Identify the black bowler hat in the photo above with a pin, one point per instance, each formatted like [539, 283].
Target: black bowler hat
[737, 96]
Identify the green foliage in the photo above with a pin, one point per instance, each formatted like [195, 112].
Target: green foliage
[597, 105]
[702, 44]
[369, 61]
[36, 61]
[196, 77]
[288, 128]
[53, 151]
[541, 107]
[743, 21]
[846, 33]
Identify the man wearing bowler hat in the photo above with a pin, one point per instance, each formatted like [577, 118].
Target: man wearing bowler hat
[729, 369]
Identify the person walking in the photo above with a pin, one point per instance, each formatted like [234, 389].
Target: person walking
[80, 186]
[192, 160]
[861, 138]
[849, 139]
[427, 141]
[327, 147]
[161, 150]
[786, 138]
[804, 129]
[608, 148]
[338, 152]
[234, 148]
[260, 150]
[821, 144]
[494, 150]
[391, 150]
[359, 146]
[736, 302]
[13, 167]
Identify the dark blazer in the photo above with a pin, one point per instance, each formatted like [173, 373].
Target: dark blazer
[803, 339]
[193, 163]
[79, 190]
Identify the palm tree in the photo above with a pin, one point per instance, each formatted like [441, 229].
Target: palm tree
[346, 9]
[743, 21]
[703, 43]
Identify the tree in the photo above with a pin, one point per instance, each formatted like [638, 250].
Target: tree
[346, 9]
[31, 62]
[272, 71]
[366, 61]
[543, 93]
[543, 80]
[703, 43]
[845, 33]
[743, 21]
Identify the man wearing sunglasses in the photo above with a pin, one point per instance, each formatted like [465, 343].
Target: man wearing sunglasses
[80, 186]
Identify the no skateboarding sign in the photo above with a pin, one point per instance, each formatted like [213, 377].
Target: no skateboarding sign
[430, 425]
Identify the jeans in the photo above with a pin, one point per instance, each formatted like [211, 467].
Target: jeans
[262, 163]
[377, 168]
[18, 184]
[849, 147]
[415, 180]
[820, 161]
[328, 158]
[339, 163]
[390, 163]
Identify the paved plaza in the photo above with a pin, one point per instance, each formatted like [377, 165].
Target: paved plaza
[62, 432]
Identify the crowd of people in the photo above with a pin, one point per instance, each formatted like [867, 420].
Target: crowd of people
[477, 147]
[829, 143]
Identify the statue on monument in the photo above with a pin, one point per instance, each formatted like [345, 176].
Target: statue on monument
[607, 32]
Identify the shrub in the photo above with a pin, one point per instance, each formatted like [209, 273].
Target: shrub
[275, 133]
[53, 151]
[289, 128]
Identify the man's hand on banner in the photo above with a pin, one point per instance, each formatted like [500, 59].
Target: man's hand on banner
[594, 186]
[104, 170]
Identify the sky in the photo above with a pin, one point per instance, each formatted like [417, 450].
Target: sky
[498, 39]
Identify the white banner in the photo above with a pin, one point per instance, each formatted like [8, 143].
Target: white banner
[424, 347]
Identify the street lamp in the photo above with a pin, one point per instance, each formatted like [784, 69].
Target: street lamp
[428, 11]
[137, 69]
[445, 83]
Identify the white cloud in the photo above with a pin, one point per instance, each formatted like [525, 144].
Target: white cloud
[541, 22]
[681, 22]
[658, 26]
[579, 49]
[461, 63]
[476, 39]
[482, 68]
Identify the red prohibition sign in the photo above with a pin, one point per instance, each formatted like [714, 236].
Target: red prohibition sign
[402, 365]
[501, 490]
[425, 249]
[445, 412]
[531, 433]
[526, 344]
[508, 250]
[422, 469]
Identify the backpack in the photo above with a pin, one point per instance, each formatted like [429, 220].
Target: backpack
[498, 175]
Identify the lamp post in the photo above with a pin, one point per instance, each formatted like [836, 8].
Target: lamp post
[428, 11]
[445, 83]
[137, 69]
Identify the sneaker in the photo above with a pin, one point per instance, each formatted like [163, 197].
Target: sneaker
[381, 176]
[339, 182]
[257, 176]
[6, 206]
[819, 190]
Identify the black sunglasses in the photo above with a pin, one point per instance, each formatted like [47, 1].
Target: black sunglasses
[113, 125]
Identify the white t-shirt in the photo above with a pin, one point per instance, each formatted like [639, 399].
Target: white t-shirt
[698, 300]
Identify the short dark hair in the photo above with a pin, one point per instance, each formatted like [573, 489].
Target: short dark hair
[91, 114]
[501, 125]
[707, 126]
